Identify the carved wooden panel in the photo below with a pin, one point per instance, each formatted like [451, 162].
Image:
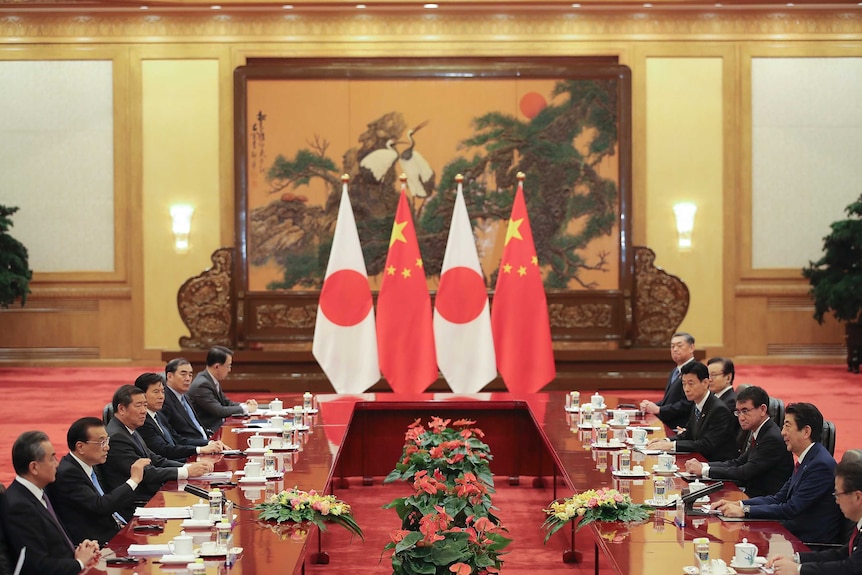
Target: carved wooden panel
[660, 301]
[205, 305]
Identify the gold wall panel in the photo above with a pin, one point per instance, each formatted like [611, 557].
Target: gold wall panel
[381, 26]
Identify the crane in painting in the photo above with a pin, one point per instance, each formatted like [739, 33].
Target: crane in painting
[415, 166]
[380, 161]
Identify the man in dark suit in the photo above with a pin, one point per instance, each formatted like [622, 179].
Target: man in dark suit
[28, 517]
[842, 560]
[721, 376]
[674, 409]
[130, 412]
[177, 408]
[206, 393]
[157, 431]
[766, 463]
[709, 430]
[84, 508]
[805, 502]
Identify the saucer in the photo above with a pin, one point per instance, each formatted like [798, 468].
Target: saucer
[291, 447]
[608, 445]
[669, 501]
[600, 407]
[631, 441]
[585, 426]
[758, 563]
[310, 411]
[616, 425]
[197, 524]
[258, 479]
[174, 559]
[256, 450]
[215, 554]
[692, 570]
[301, 427]
[621, 473]
[573, 409]
[670, 471]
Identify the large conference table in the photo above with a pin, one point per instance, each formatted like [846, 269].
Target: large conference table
[531, 436]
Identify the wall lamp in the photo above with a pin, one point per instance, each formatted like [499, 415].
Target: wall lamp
[181, 225]
[684, 212]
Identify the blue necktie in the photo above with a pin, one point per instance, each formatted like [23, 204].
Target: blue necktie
[117, 517]
[165, 433]
[697, 414]
[194, 419]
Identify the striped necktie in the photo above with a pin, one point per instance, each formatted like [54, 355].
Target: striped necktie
[165, 433]
[59, 525]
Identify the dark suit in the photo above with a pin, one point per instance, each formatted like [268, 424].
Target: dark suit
[837, 561]
[713, 436]
[762, 469]
[84, 513]
[124, 451]
[674, 408]
[27, 523]
[729, 399]
[180, 421]
[156, 437]
[210, 402]
[805, 502]
[6, 559]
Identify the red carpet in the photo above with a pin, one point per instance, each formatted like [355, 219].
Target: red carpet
[50, 399]
[519, 510]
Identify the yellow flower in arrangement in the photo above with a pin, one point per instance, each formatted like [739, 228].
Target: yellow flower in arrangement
[592, 505]
[296, 506]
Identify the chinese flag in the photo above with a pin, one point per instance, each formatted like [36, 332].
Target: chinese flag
[519, 315]
[405, 337]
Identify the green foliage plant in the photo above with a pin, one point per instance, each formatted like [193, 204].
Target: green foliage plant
[447, 524]
[15, 273]
[836, 278]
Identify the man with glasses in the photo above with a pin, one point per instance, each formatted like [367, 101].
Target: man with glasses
[709, 430]
[804, 503]
[674, 409]
[721, 375]
[86, 510]
[842, 560]
[765, 464]
[28, 514]
[157, 431]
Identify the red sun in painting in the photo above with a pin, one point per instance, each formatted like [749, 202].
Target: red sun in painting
[532, 103]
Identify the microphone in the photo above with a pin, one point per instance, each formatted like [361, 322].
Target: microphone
[204, 494]
[195, 490]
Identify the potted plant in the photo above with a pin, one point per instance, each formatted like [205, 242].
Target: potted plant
[836, 279]
[15, 273]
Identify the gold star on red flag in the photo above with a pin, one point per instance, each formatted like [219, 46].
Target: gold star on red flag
[405, 337]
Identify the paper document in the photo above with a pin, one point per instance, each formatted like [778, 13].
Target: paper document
[163, 512]
[153, 549]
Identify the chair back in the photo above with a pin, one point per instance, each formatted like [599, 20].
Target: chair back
[828, 437]
[108, 413]
[776, 411]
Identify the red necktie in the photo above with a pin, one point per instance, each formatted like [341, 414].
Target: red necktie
[795, 468]
[753, 442]
[852, 542]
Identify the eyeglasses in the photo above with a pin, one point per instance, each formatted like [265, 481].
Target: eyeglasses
[714, 375]
[744, 411]
[837, 494]
[103, 442]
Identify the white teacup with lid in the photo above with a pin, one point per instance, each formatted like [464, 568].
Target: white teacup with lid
[745, 554]
[276, 405]
[597, 400]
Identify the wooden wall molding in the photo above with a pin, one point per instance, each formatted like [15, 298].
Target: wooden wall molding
[393, 25]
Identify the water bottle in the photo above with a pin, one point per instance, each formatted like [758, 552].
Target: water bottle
[215, 505]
